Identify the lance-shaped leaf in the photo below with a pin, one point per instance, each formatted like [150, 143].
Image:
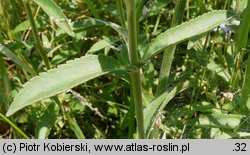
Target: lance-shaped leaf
[56, 13]
[64, 77]
[185, 31]
[160, 102]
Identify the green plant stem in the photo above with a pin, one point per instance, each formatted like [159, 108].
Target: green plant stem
[225, 5]
[16, 17]
[157, 23]
[14, 126]
[168, 55]
[188, 9]
[245, 97]
[5, 82]
[134, 60]
[121, 14]
[10, 33]
[35, 34]
[131, 129]
[241, 43]
[136, 90]
[242, 36]
[203, 70]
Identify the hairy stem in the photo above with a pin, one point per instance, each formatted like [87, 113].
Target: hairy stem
[168, 55]
[134, 60]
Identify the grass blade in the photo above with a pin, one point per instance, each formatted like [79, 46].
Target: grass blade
[241, 43]
[25, 25]
[16, 59]
[242, 37]
[75, 127]
[14, 126]
[106, 42]
[56, 13]
[5, 86]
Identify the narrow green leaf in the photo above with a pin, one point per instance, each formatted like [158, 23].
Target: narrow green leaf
[106, 42]
[185, 31]
[63, 78]
[93, 22]
[89, 23]
[242, 36]
[79, 26]
[160, 102]
[245, 94]
[25, 25]
[122, 32]
[225, 121]
[75, 127]
[14, 126]
[5, 86]
[241, 42]
[16, 59]
[56, 13]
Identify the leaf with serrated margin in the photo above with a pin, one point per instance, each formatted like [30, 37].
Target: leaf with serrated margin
[185, 31]
[64, 77]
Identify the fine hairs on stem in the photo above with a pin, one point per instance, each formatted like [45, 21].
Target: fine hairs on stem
[168, 55]
[134, 60]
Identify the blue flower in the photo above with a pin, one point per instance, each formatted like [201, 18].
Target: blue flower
[228, 30]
